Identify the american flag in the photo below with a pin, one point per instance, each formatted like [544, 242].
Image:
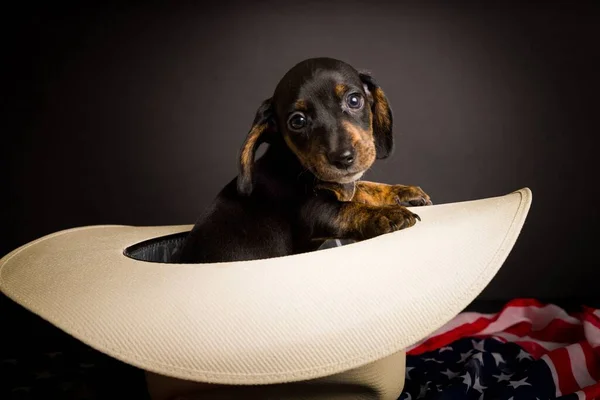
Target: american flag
[528, 350]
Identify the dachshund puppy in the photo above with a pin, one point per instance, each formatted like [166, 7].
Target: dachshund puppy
[324, 127]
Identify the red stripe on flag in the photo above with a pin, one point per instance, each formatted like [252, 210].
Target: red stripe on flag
[590, 317]
[592, 360]
[591, 326]
[562, 363]
[470, 329]
[592, 392]
[559, 331]
[522, 328]
[567, 332]
[446, 338]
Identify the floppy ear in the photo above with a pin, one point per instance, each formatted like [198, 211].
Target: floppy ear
[382, 116]
[261, 127]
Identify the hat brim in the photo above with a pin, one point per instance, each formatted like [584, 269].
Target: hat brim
[265, 321]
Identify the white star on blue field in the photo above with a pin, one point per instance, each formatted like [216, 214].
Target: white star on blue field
[477, 369]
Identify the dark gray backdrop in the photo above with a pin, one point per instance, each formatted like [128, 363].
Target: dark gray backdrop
[135, 115]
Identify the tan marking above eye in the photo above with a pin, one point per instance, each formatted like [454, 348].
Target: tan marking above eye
[300, 105]
[340, 89]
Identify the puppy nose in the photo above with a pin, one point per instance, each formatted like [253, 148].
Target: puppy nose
[342, 159]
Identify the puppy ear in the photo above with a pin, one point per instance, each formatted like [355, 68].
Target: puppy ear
[262, 126]
[382, 116]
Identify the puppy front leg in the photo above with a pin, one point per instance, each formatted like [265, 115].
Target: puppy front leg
[378, 194]
[328, 218]
[383, 194]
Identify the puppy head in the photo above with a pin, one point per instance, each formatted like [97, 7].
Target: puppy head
[335, 120]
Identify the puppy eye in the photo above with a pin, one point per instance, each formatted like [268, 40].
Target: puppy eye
[354, 100]
[297, 121]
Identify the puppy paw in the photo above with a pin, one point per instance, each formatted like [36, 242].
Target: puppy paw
[389, 219]
[411, 196]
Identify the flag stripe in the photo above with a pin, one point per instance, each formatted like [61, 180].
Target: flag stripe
[592, 320]
[541, 315]
[554, 373]
[447, 337]
[482, 321]
[579, 366]
[592, 360]
[526, 339]
[591, 327]
[461, 326]
[562, 363]
[592, 392]
[557, 330]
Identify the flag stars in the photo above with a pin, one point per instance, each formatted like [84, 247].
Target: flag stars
[477, 386]
[498, 358]
[484, 367]
[467, 380]
[450, 374]
[503, 377]
[523, 355]
[479, 346]
[516, 384]
[464, 356]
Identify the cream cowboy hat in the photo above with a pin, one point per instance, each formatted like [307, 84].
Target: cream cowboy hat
[332, 324]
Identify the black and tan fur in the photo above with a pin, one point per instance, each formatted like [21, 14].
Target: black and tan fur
[325, 125]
